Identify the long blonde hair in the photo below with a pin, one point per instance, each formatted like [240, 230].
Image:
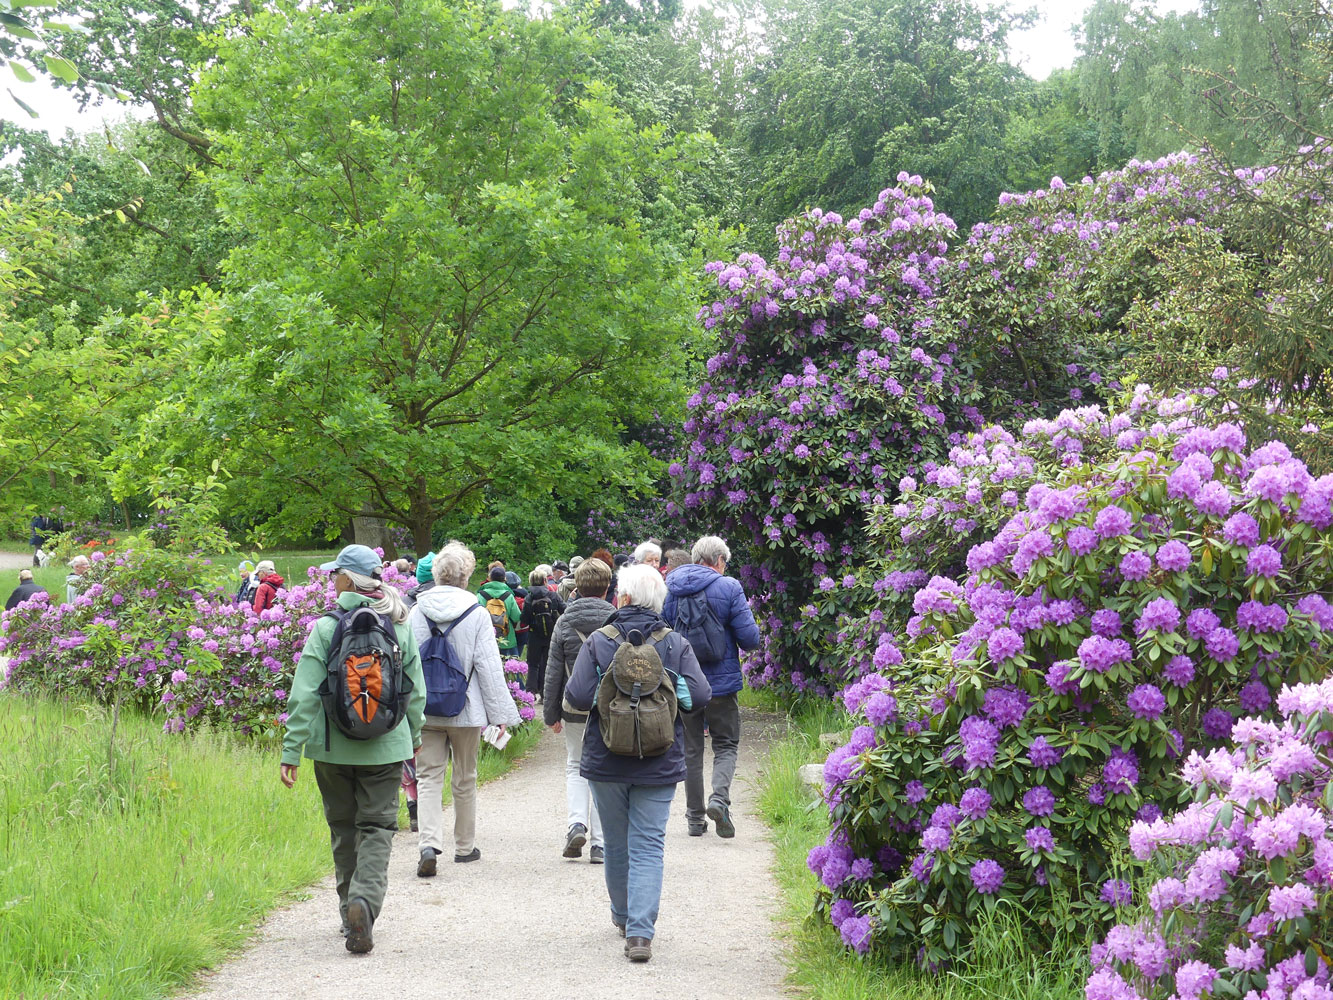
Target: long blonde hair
[389, 602]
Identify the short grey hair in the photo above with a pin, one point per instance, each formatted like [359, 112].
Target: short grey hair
[79, 561]
[642, 586]
[539, 575]
[454, 565]
[710, 550]
[646, 549]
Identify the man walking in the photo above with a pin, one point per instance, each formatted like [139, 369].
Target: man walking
[358, 778]
[498, 600]
[710, 609]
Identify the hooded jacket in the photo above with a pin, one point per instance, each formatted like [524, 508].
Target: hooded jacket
[488, 699]
[500, 589]
[727, 599]
[586, 615]
[600, 764]
[268, 589]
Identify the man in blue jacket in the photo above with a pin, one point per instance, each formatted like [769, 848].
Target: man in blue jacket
[711, 610]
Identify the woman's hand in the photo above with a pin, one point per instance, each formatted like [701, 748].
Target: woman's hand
[288, 772]
[557, 726]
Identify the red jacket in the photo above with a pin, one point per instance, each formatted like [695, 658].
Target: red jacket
[268, 589]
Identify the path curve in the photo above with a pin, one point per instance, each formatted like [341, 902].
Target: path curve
[525, 923]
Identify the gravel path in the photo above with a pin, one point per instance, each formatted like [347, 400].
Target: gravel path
[16, 560]
[525, 923]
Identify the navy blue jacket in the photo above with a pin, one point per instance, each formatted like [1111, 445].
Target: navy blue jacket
[727, 599]
[600, 764]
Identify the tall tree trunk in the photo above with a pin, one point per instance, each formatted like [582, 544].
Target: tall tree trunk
[421, 535]
[372, 531]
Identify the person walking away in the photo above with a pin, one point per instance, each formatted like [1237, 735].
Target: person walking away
[633, 777]
[498, 600]
[710, 609]
[520, 598]
[357, 777]
[540, 612]
[76, 581]
[25, 591]
[39, 529]
[675, 559]
[559, 570]
[270, 583]
[449, 613]
[585, 614]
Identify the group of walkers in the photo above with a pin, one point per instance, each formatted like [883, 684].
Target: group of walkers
[637, 665]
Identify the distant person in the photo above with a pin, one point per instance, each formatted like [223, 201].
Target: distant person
[249, 583]
[585, 614]
[502, 607]
[541, 610]
[710, 609]
[675, 559]
[634, 791]
[574, 563]
[648, 554]
[38, 533]
[76, 581]
[559, 570]
[568, 589]
[450, 610]
[26, 590]
[606, 557]
[425, 581]
[520, 598]
[358, 779]
[269, 585]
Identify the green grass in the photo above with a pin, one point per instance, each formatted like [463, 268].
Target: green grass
[128, 862]
[819, 966]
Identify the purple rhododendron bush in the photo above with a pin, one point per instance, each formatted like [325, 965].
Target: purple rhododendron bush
[1240, 906]
[151, 632]
[1125, 612]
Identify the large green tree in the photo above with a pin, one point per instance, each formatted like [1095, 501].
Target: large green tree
[450, 284]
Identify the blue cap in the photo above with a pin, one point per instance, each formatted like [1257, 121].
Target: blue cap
[358, 558]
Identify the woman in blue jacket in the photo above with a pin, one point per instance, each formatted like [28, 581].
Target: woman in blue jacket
[634, 794]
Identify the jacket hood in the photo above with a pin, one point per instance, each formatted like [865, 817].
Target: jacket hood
[496, 588]
[690, 579]
[444, 604]
[630, 617]
[273, 580]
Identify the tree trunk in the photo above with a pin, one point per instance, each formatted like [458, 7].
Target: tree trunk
[421, 536]
[372, 531]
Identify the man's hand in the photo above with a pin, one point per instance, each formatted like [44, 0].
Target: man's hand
[288, 774]
[557, 726]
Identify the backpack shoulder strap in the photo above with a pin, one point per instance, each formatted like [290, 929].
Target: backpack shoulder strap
[450, 627]
[612, 632]
[659, 634]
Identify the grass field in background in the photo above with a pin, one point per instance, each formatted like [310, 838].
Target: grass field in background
[818, 965]
[130, 862]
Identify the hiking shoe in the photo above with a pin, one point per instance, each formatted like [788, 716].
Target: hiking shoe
[638, 949]
[620, 928]
[426, 866]
[698, 829]
[412, 815]
[596, 856]
[359, 923]
[721, 817]
[472, 855]
[574, 841]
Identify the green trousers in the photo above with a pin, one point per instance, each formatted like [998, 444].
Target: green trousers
[361, 807]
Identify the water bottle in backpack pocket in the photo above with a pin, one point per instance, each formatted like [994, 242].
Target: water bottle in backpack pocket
[446, 682]
[364, 691]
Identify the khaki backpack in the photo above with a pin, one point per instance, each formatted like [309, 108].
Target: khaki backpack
[636, 696]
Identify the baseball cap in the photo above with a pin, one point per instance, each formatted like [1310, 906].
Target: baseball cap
[560, 564]
[358, 558]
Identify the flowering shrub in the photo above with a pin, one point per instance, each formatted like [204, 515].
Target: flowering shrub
[1242, 904]
[516, 671]
[1123, 612]
[148, 631]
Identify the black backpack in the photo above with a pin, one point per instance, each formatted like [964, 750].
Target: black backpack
[698, 623]
[542, 614]
[364, 691]
[446, 683]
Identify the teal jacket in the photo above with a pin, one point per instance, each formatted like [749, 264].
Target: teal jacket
[307, 724]
[498, 588]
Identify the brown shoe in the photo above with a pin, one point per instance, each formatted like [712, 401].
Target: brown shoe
[638, 949]
[359, 922]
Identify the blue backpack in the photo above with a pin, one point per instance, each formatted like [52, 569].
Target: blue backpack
[698, 623]
[446, 683]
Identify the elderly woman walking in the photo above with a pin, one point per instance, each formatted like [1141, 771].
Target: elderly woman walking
[450, 609]
[633, 793]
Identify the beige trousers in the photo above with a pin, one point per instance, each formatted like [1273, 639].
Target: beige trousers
[439, 744]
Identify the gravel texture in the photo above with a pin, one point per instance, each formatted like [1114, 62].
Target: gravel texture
[525, 923]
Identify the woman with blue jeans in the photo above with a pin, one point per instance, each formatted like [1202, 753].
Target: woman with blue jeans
[633, 794]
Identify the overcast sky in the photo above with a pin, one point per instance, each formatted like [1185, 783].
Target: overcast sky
[1045, 47]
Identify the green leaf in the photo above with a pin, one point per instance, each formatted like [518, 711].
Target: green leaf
[31, 113]
[61, 67]
[22, 72]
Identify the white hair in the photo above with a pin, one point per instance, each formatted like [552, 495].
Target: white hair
[641, 586]
[454, 565]
[646, 549]
[710, 550]
[539, 575]
[79, 561]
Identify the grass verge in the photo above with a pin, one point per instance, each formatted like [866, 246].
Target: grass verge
[819, 966]
[131, 859]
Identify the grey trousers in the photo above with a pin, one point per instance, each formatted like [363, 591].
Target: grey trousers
[722, 715]
[361, 807]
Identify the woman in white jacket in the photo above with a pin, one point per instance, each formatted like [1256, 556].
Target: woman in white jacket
[457, 737]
